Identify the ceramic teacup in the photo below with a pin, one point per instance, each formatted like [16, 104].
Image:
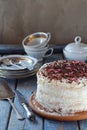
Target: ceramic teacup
[35, 40]
[29, 49]
[39, 55]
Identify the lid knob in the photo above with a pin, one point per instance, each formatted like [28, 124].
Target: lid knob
[77, 39]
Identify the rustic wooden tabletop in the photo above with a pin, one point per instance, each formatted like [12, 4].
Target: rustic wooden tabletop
[8, 119]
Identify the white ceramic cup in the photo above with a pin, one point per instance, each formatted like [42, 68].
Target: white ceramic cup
[35, 40]
[39, 55]
[29, 49]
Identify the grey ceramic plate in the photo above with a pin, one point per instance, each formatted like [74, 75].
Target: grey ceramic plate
[16, 60]
[18, 74]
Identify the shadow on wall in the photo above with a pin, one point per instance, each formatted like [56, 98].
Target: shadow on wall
[64, 19]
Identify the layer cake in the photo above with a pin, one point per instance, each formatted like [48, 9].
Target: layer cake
[62, 86]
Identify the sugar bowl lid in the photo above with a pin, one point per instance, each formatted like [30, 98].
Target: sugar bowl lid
[76, 46]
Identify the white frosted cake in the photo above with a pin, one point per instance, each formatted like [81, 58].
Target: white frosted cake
[62, 86]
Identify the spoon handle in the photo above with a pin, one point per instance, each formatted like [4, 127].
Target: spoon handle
[19, 116]
[17, 66]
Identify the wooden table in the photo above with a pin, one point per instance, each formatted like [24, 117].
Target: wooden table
[26, 86]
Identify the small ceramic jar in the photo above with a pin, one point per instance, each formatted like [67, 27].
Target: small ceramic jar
[76, 50]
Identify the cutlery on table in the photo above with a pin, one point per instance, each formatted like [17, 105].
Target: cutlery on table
[25, 64]
[7, 93]
[23, 102]
[9, 62]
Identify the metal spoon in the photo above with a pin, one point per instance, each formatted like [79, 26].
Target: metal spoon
[26, 65]
[9, 62]
[23, 64]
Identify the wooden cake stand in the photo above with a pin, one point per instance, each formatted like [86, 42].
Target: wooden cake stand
[36, 107]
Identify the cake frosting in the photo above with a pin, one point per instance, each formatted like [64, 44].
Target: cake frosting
[62, 86]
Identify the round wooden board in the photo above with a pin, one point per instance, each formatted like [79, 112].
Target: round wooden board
[36, 107]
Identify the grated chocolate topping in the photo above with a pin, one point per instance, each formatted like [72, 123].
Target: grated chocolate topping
[71, 70]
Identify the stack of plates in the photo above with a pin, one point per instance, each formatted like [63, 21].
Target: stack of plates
[18, 66]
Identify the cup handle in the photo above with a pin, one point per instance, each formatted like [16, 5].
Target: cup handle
[51, 52]
[48, 37]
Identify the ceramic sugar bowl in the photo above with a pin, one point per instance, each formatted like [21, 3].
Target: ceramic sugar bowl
[76, 50]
